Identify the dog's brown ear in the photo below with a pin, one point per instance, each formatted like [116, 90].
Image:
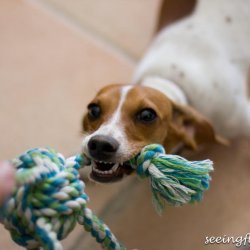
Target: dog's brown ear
[190, 129]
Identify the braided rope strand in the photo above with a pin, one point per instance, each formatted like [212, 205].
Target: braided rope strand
[99, 230]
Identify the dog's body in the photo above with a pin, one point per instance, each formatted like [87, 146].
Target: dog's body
[199, 64]
[208, 56]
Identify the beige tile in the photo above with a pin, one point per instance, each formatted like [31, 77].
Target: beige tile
[126, 24]
[48, 72]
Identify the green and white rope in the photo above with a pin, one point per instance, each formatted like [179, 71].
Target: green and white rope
[49, 198]
[173, 179]
[48, 201]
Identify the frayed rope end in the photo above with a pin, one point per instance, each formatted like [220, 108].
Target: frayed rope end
[174, 179]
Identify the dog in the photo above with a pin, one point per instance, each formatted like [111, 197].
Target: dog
[189, 90]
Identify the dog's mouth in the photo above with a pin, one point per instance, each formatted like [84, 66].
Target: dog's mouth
[109, 172]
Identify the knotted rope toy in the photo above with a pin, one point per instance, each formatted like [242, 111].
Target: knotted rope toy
[173, 179]
[49, 197]
[48, 201]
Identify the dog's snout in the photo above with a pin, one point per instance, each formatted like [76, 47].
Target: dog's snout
[102, 147]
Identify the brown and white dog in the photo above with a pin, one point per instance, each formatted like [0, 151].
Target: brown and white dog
[190, 87]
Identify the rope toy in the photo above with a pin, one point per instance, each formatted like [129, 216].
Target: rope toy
[49, 198]
[173, 179]
[48, 201]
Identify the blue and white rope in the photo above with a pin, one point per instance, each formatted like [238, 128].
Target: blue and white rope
[173, 178]
[48, 201]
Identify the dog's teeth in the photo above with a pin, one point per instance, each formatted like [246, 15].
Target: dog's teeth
[94, 165]
[95, 170]
[114, 168]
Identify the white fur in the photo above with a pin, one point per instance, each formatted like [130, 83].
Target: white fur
[167, 87]
[207, 55]
[114, 127]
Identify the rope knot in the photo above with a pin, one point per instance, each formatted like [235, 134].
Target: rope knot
[173, 179]
[47, 200]
[146, 157]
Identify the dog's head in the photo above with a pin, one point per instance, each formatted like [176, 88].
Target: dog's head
[122, 119]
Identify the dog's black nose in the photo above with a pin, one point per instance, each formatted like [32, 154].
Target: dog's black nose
[102, 147]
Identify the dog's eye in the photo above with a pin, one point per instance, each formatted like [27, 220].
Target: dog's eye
[146, 115]
[94, 111]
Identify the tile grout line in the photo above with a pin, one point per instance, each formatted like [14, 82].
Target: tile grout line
[84, 31]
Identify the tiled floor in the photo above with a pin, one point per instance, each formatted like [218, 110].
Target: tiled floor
[128, 25]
